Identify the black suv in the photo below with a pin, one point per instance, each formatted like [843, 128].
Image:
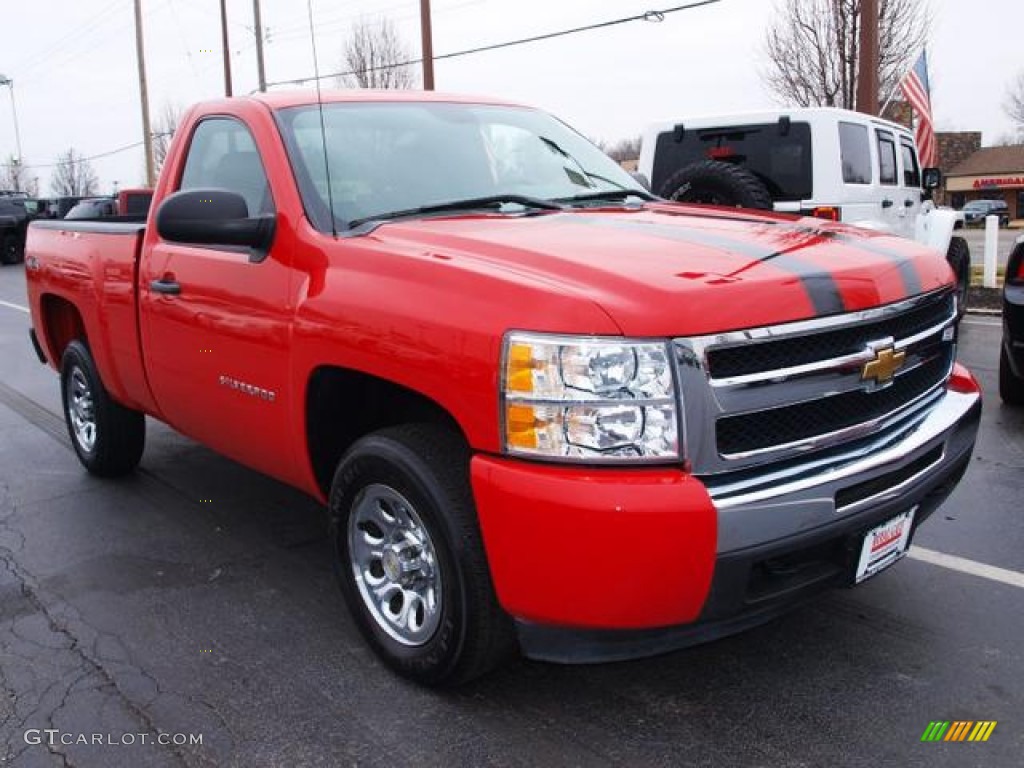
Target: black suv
[976, 210]
[13, 225]
[1011, 353]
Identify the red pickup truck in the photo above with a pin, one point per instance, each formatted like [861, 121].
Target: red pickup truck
[546, 411]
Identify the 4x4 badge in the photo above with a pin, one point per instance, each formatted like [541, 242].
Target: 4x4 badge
[880, 370]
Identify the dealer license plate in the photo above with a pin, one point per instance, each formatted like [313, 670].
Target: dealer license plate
[884, 545]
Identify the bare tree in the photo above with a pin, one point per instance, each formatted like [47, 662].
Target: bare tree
[372, 53]
[73, 176]
[624, 149]
[163, 131]
[1014, 104]
[14, 178]
[812, 49]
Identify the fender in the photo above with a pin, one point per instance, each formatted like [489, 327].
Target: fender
[934, 228]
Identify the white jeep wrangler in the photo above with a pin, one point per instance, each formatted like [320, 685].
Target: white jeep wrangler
[830, 163]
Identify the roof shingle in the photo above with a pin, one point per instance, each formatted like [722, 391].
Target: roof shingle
[992, 160]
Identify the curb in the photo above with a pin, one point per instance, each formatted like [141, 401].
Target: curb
[985, 312]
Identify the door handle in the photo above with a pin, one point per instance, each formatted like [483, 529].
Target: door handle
[166, 285]
[887, 203]
[908, 203]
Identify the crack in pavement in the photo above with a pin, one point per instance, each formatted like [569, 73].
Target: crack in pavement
[91, 665]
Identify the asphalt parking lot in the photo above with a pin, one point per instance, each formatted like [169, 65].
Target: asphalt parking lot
[196, 598]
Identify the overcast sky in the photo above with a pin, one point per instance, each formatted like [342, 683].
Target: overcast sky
[75, 78]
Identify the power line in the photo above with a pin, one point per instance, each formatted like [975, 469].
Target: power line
[653, 16]
[97, 156]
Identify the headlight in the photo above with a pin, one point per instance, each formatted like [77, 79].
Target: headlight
[588, 399]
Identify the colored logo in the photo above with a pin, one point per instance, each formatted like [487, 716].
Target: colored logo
[958, 730]
[880, 370]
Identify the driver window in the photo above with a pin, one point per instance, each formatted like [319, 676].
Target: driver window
[223, 155]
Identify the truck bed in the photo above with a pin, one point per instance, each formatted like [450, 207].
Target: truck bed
[93, 266]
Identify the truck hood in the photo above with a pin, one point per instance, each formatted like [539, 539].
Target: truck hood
[666, 270]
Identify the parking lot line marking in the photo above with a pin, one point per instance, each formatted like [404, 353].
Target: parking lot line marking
[14, 306]
[986, 323]
[963, 565]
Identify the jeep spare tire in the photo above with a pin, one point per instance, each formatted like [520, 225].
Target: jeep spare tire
[711, 182]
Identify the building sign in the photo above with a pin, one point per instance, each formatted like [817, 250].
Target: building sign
[999, 182]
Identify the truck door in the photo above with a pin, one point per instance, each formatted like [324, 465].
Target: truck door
[910, 186]
[892, 213]
[215, 322]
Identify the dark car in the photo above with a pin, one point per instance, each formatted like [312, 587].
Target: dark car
[1011, 353]
[13, 224]
[976, 211]
[94, 208]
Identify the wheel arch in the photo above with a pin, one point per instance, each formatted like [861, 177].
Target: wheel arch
[343, 404]
[62, 323]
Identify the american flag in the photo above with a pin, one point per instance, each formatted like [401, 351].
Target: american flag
[915, 87]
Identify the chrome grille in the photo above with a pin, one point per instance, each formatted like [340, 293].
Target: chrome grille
[724, 362]
[771, 394]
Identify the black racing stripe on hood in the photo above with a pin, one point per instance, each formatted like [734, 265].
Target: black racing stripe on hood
[819, 285]
[907, 269]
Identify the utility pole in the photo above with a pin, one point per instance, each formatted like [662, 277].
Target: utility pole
[4, 80]
[867, 67]
[147, 135]
[428, 46]
[224, 44]
[260, 71]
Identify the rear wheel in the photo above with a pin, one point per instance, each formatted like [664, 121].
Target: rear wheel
[409, 556]
[712, 182]
[959, 258]
[1011, 388]
[107, 437]
[10, 251]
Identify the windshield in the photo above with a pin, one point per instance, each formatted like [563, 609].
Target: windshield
[977, 205]
[393, 157]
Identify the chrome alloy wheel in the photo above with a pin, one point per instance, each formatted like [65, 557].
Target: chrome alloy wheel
[82, 410]
[394, 565]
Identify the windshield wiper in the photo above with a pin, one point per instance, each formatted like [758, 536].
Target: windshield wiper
[469, 204]
[610, 194]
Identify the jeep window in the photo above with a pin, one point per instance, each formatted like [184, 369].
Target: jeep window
[911, 171]
[886, 158]
[389, 157]
[779, 157]
[855, 153]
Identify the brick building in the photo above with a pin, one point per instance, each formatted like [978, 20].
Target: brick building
[991, 173]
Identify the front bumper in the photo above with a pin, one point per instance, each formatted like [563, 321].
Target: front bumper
[608, 564]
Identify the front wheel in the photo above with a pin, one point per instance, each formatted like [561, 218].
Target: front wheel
[409, 556]
[108, 438]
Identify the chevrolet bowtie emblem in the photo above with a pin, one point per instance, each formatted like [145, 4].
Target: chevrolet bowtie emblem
[883, 367]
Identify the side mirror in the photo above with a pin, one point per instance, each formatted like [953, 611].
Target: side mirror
[213, 217]
[931, 178]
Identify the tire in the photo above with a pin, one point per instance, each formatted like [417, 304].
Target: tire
[10, 252]
[711, 182]
[409, 486]
[959, 258]
[108, 438]
[1011, 389]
